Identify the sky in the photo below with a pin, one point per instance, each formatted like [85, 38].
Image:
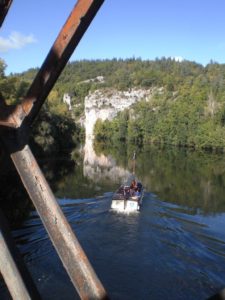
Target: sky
[182, 29]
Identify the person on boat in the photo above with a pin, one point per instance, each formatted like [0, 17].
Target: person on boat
[126, 192]
[133, 187]
[133, 184]
[138, 189]
[139, 186]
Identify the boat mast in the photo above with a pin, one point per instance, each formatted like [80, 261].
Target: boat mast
[134, 162]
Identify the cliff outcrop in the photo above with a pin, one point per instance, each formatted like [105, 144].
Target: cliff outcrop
[106, 103]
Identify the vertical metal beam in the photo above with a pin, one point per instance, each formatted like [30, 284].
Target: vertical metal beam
[12, 268]
[73, 257]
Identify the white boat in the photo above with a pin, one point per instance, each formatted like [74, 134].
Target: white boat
[126, 199]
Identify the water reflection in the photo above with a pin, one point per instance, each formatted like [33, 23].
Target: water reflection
[99, 166]
[93, 175]
[173, 249]
[192, 179]
[188, 178]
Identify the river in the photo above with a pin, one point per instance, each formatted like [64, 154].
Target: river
[174, 248]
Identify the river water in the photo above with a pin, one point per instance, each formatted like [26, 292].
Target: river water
[174, 248]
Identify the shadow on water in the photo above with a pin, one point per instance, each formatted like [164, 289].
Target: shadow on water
[174, 248]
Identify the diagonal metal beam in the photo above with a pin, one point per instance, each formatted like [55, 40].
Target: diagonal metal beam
[9, 114]
[67, 40]
[4, 7]
[63, 47]
[66, 244]
[20, 117]
[12, 267]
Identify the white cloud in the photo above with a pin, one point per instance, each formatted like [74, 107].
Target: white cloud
[16, 40]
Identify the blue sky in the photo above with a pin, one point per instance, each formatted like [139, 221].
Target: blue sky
[189, 29]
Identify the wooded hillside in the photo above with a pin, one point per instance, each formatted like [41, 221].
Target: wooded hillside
[189, 112]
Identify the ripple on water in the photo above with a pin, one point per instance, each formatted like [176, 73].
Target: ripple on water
[164, 251]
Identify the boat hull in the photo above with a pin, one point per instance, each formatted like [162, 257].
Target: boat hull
[124, 202]
[125, 205]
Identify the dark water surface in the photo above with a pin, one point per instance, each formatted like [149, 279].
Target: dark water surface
[174, 248]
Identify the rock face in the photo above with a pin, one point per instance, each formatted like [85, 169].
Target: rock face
[106, 103]
[100, 167]
[67, 100]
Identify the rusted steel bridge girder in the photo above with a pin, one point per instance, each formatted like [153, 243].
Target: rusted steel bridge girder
[62, 236]
[13, 269]
[4, 7]
[15, 122]
[67, 40]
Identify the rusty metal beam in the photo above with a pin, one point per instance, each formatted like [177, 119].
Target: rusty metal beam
[4, 7]
[20, 117]
[67, 40]
[12, 267]
[9, 114]
[73, 257]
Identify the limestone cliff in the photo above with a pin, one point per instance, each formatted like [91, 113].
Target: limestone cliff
[106, 103]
